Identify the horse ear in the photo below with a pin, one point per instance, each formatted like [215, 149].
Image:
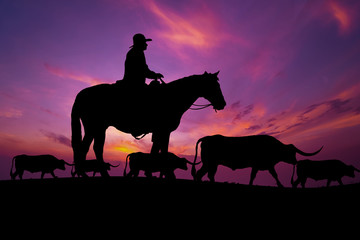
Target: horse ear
[217, 73]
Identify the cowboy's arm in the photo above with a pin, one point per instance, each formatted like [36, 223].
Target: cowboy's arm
[151, 74]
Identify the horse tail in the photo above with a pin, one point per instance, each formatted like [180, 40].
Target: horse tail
[76, 137]
[193, 169]
[126, 162]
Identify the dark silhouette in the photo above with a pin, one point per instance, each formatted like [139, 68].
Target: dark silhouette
[261, 152]
[40, 163]
[166, 164]
[331, 170]
[157, 110]
[94, 166]
[136, 69]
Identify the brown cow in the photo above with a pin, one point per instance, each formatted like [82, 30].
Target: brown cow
[150, 164]
[332, 170]
[40, 163]
[94, 166]
[260, 152]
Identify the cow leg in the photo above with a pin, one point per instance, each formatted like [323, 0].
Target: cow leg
[340, 182]
[52, 174]
[303, 182]
[14, 175]
[253, 175]
[328, 183]
[148, 174]
[170, 175]
[134, 173]
[274, 174]
[21, 172]
[211, 173]
[99, 141]
[201, 173]
[297, 181]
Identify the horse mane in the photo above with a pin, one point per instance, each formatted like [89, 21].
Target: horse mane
[183, 80]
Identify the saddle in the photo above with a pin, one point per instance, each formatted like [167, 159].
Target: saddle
[143, 99]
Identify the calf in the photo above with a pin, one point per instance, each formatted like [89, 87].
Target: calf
[332, 170]
[94, 166]
[40, 163]
[154, 163]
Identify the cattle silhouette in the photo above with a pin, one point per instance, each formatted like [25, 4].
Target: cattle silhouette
[39, 163]
[150, 163]
[94, 166]
[260, 152]
[129, 111]
[331, 170]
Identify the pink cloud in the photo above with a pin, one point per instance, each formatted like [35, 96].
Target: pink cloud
[9, 112]
[74, 76]
[341, 15]
[194, 28]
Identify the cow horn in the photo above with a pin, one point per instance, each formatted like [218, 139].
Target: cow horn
[114, 165]
[68, 163]
[307, 154]
[192, 163]
[356, 169]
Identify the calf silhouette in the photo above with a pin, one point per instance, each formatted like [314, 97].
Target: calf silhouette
[150, 163]
[94, 166]
[331, 170]
[260, 152]
[39, 163]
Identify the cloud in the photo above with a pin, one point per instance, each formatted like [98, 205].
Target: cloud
[311, 121]
[74, 76]
[185, 30]
[58, 138]
[10, 112]
[341, 15]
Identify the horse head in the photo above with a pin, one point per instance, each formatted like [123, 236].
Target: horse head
[212, 91]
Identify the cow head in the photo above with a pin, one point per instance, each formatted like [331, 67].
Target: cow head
[178, 162]
[350, 171]
[183, 164]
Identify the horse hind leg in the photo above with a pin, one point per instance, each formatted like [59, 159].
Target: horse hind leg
[99, 141]
[85, 145]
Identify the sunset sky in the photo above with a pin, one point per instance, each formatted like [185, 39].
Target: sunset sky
[290, 69]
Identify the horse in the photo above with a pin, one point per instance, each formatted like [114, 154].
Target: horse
[137, 112]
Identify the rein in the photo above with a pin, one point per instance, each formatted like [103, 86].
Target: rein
[199, 107]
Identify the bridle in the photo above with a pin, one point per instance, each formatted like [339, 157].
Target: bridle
[200, 106]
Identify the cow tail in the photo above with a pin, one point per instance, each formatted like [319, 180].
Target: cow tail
[76, 137]
[126, 162]
[193, 169]
[12, 165]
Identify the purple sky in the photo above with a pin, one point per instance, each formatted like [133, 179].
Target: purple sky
[287, 68]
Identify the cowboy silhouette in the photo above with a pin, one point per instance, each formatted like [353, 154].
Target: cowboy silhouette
[136, 69]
